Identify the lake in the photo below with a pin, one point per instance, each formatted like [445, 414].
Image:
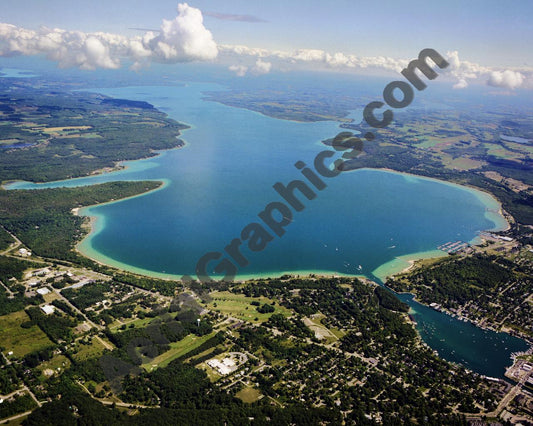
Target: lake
[360, 223]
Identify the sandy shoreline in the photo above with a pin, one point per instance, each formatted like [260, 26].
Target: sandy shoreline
[485, 195]
[404, 263]
[395, 266]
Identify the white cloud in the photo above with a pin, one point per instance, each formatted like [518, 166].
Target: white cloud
[464, 72]
[242, 50]
[185, 39]
[181, 39]
[461, 72]
[507, 79]
[320, 57]
[239, 70]
[307, 55]
[261, 67]
[461, 84]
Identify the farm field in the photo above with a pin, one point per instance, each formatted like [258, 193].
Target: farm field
[239, 306]
[19, 340]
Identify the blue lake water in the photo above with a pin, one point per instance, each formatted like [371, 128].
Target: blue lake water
[219, 182]
[16, 73]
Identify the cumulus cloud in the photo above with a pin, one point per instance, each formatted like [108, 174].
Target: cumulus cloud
[308, 55]
[239, 70]
[507, 79]
[461, 84]
[185, 38]
[321, 57]
[464, 72]
[261, 67]
[181, 39]
[461, 72]
[241, 50]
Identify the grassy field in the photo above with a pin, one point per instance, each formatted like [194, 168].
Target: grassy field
[499, 151]
[248, 395]
[176, 350]
[94, 350]
[58, 361]
[240, 307]
[462, 164]
[138, 323]
[50, 297]
[20, 340]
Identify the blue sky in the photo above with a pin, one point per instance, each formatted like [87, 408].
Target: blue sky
[487, 33]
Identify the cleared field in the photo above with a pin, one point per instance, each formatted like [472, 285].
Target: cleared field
[240, 307]
[65, 129]
[136, 323]
[463, 164]
[321, 332]
[20, 340]
[429, 142]
[58, 361]
[499, 151]
[176, 350]
[94, 350]
[50, 297]
[248, 395]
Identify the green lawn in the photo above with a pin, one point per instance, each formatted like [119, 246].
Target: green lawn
[20, 340]
[248, 395]
[240, 307]
[138, 323]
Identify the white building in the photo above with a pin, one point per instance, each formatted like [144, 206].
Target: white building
[24, 253]
[224, 367]
[48, 309]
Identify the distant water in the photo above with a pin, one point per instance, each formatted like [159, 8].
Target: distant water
[514, 139]
[483, 351]
[16, 146]
[223, 177]
[16, 73]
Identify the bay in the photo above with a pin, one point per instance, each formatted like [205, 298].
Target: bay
[219, 182]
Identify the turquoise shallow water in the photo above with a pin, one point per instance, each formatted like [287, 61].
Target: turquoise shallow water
[219, 182]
